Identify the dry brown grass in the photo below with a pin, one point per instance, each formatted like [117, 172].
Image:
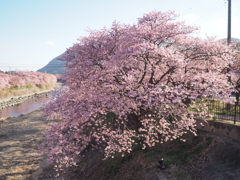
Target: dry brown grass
[13, 92]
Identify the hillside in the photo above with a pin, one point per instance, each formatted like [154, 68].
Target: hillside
[234, 40]
[55, 66]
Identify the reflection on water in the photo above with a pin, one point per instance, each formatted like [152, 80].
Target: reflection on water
[25, 107]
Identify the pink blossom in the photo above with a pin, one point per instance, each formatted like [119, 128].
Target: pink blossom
[135, 82]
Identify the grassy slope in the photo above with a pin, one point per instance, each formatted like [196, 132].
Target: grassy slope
[20, 91]
[183, 160]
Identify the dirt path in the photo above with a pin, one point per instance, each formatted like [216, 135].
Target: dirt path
[19, 138]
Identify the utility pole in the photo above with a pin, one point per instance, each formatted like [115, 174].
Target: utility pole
[229, 22]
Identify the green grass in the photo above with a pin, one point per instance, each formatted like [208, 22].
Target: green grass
[39, 86]
[217, 107]
[18, 88]
[19, 91]
[220, 108]
[209, 140]
[113, 169]
[177, 152]
[136, 165]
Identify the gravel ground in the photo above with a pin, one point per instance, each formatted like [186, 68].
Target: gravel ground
[19, 138]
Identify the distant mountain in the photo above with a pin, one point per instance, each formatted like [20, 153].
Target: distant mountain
[234, 40]
[55, 66]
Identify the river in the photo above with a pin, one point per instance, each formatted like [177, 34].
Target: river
[25, 107]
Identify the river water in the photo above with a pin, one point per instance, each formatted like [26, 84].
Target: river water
[25, 107]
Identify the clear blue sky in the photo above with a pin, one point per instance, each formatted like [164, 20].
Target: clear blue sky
[33, 32]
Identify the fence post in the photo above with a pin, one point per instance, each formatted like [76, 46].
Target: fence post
[235, 112]
[235, 108]
[228, 106]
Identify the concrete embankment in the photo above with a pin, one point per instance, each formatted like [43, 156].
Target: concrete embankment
[8, 102]
[12, 101]
[220, 127]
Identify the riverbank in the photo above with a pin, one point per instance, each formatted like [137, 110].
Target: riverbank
[14, 100]
[7, 102]
[206, 156]
[19, 138]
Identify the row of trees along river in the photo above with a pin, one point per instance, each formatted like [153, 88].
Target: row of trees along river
[24, 87]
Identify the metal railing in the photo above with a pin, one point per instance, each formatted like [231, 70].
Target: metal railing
[224, 111]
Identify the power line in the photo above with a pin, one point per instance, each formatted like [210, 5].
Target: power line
[10, 64]
[210, 12]
[31, 66]
[210, 15]
[206, 14]
[195, 4]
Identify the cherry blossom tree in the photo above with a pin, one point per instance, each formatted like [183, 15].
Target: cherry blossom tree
[4, 81]
[16, 81]
[135, 84]
[21, 79]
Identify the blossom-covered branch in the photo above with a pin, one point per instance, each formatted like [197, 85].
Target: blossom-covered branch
[135, 84]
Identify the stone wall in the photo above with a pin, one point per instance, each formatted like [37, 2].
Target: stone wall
[17, 100]
[219, 128]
